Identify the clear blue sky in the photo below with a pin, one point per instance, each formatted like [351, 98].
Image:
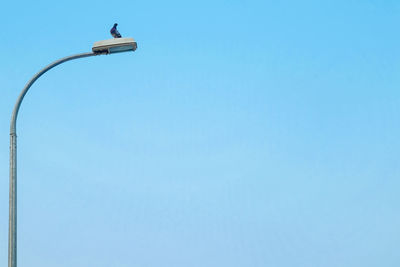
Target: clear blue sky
[240, 134]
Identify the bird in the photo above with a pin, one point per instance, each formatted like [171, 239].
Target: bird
[114, 32]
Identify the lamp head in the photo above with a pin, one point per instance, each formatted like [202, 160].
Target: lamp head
[115, 45]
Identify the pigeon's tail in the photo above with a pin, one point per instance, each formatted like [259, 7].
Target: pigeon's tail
[116, 35]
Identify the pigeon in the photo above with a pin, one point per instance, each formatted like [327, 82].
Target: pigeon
[114, 32]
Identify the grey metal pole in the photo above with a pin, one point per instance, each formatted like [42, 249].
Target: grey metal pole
[12, 231]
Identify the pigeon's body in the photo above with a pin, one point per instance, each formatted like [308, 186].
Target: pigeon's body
[114, 32]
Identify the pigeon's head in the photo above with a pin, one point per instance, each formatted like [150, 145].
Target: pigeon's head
[115, 24]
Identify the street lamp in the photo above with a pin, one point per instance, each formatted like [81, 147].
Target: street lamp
[99, 48]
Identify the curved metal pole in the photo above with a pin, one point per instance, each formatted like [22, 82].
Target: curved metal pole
[12, 231]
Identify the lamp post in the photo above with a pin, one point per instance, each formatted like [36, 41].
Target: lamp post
[99, 48]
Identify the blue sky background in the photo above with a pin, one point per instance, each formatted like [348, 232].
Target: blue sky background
[240, 133]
